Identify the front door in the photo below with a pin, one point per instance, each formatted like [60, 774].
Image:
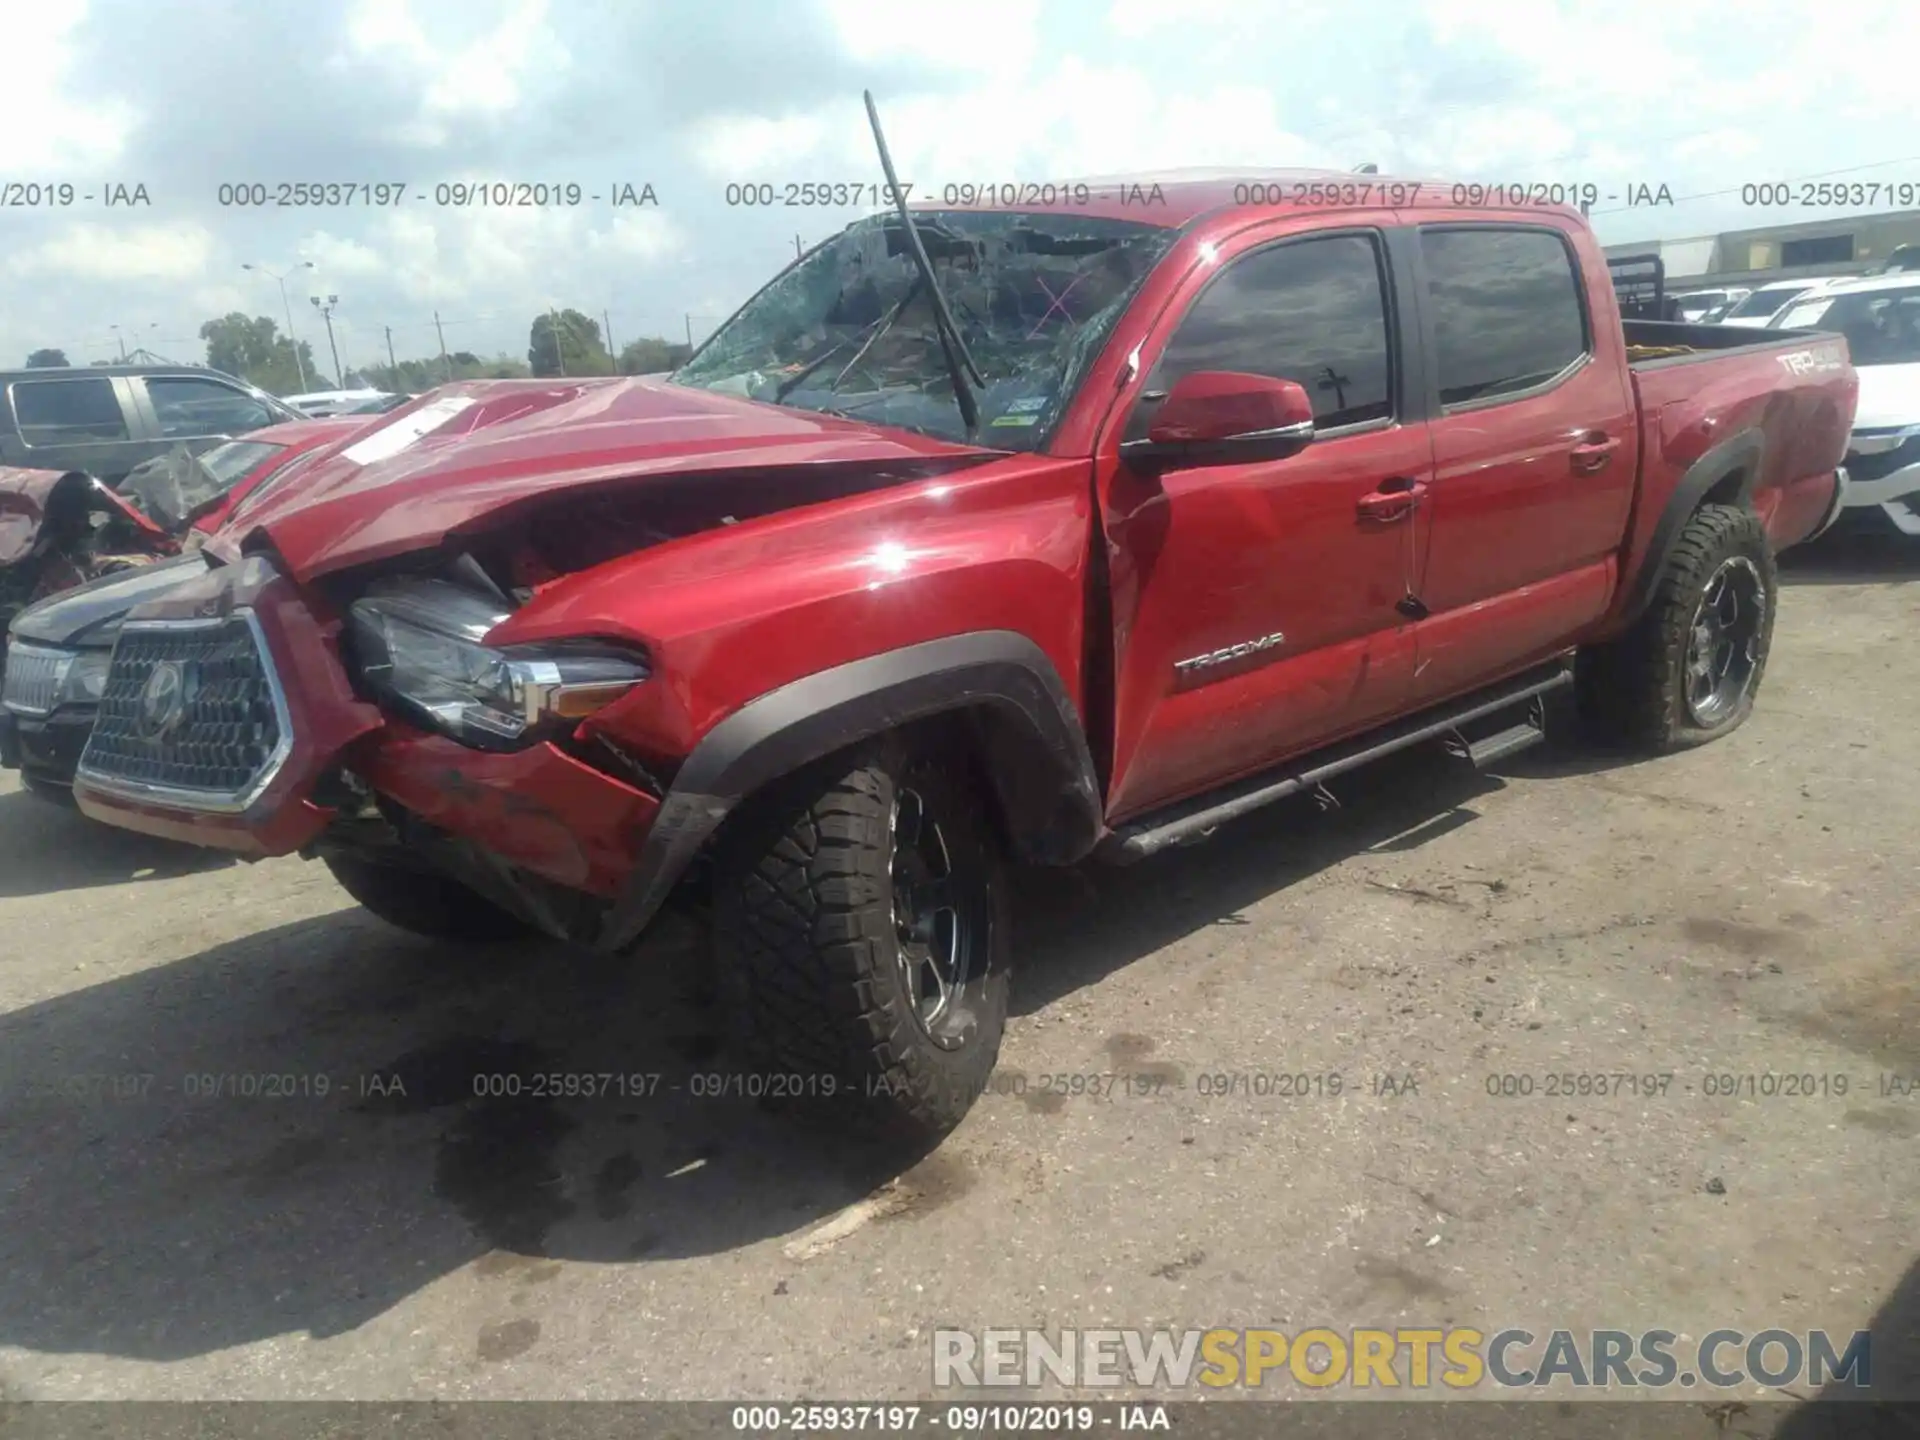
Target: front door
[1255, 604]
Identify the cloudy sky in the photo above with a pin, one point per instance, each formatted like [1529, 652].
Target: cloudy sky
[184, 96]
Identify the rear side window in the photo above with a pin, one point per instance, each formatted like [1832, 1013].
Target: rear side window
[1506, 310]
[1312, 311]
[68, 412]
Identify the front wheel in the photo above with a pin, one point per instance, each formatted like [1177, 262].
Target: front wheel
[860, 928]
[1689, 669]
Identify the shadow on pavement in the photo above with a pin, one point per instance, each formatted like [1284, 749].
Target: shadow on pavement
[47, 846]
[295, 1131]
[1862, 552]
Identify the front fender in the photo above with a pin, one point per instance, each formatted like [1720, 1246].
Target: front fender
[1038, 760]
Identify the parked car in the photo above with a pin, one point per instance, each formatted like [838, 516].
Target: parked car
[59, 529]
[1768, 300]
[55, 648]
[1203, 504]
[335, 402]
[1880, 317]
[378, 405]
[1704, 307]
[106, 419]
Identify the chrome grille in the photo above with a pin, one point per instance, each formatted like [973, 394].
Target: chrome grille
[192, 710]
[33, 678]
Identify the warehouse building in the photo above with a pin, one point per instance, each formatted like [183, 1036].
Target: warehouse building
[1851, 246]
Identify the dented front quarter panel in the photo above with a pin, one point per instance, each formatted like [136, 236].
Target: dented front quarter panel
[731, 614]
[326, 717]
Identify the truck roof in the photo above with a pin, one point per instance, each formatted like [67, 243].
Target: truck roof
[1174, 199]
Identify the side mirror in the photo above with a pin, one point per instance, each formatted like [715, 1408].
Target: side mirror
[1222, 417]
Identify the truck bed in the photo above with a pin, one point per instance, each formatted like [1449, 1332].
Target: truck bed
[1678, 342]
[1782, 399]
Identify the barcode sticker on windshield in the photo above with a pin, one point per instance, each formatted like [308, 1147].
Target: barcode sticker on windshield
[391, 439]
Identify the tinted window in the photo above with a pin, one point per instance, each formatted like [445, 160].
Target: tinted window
[65, 412]
[187, 406]
[1314, 312]
[1506, 310]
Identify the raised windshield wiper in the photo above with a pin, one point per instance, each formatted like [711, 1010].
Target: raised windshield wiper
[959, 362]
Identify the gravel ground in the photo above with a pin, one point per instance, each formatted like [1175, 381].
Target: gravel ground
[1745, 909]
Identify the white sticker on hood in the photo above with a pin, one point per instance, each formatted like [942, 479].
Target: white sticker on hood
[392, 439]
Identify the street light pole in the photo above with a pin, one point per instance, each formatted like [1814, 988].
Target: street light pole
[287, 305]
[326, 312]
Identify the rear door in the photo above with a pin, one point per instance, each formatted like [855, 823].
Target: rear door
[74, 421]
[1254, 603]
[1535, 445]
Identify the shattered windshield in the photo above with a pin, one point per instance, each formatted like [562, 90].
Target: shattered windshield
[849, 329]
[171, 489]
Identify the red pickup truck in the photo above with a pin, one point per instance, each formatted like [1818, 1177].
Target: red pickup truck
[1002, 535]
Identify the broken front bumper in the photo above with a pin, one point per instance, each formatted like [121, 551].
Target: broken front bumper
[229, 720]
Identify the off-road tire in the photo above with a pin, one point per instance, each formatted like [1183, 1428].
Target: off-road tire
[1632, 691]
[809, 955]
[423, 902]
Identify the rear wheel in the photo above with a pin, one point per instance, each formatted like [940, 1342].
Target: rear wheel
[860, 918]
[423, 902]
[1689, 669]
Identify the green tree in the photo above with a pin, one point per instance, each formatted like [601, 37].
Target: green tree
[567, 343]
[651, 354]
[47, 359]
[256, 351]
[414, 376]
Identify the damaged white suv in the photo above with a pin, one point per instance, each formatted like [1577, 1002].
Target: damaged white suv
[1880, 316]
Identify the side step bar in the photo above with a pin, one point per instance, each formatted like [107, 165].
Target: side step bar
[1502, 743]
[1192, 819]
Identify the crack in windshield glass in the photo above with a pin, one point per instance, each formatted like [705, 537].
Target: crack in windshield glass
[851, 329]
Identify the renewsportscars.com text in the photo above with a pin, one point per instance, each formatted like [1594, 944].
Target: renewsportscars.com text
[1457, 1358]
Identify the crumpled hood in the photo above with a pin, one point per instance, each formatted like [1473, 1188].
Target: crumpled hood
[469, 452]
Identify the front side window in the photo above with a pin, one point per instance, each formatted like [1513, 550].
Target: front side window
[68, 412]
[1507, 312]
[187, 406]
[849, 329]
[1311, 311]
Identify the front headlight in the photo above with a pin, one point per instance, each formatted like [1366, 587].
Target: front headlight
[418, 644]
[85, 678]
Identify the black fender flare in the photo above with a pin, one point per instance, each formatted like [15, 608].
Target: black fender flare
[1740, 454]
[1038, 760]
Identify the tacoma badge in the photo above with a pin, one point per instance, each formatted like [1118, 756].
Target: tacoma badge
[1231, 652]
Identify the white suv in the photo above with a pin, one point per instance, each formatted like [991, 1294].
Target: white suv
[1769, 300]
[1880, 316]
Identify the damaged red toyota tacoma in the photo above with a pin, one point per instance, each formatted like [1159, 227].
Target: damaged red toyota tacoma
[988, 536]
